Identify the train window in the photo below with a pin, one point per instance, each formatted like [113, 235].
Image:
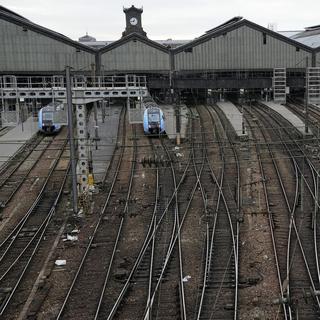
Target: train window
[61, 93]
[97, 93]
[12, 94]
[47, 116]
[154, 117]
[42, 93]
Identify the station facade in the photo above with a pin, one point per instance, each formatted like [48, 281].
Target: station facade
[238, 54]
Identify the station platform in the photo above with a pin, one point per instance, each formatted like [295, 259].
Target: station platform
[103, 148]
[170, 121]
[234, 116]
[287, 114]
[15, 138]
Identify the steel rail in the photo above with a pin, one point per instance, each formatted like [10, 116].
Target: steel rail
[43, 227]
[210, 240]
[313, 194]
[24, 148]
[13, 234]
[238, 201]
[177, 226]
[139, 258]
[150, 240]
[23, 177]
[221, 193]
[66, 299]
[292, 210]
[270, 217]
[125, 210]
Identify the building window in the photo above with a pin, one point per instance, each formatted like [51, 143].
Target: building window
[264, 38]
[297, 49]
[188, 50]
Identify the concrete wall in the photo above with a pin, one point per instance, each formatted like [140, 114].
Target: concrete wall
[241, 48]
[29, 51]
[135, 55]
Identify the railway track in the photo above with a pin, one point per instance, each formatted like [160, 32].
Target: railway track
[131, 300]
[12, 179]
[100, 250]
[219, 289]
[18, 249]
[155, 270]
[313, 114]
[4, 130]
[300, 271]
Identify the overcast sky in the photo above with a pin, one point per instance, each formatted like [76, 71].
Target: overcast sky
[162, 19]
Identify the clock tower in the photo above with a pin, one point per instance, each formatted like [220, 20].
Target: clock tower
[133, 21]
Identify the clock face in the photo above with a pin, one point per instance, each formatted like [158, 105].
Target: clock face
[133, 21]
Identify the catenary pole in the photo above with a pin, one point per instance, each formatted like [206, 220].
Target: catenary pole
[71, 142]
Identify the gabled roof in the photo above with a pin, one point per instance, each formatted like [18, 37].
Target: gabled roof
[133, 36]
[9, 12]
[225, 24]
[233, 24]
[10, 16]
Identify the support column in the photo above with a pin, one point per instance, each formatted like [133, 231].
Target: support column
[82, 167]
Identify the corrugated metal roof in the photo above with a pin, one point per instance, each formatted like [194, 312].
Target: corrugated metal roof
[311, 41]
[10, 16]
[309, 37]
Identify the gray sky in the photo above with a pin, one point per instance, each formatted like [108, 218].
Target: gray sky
[176, 19]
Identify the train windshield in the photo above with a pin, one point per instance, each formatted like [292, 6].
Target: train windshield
[47, 116]
[154, 116]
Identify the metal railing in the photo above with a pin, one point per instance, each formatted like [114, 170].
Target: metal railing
[78, 81]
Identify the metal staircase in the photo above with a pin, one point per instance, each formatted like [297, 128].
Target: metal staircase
[313, 85]
[279, 83]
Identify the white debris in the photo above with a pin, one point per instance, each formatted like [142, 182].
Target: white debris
[186, 278]
[60, 262]
[72, 238]
[75, 231]
[179, 155]
[176, 148]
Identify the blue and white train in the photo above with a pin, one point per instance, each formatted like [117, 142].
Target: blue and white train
[46, 120]
[153, 118]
